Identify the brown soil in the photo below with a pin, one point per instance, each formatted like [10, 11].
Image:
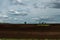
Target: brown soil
[29, 31]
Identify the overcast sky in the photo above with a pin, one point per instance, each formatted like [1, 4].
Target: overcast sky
[31, 11]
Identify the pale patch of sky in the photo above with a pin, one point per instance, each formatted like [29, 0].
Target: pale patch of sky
[17, 11]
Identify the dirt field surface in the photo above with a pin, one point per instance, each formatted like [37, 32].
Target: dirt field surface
[20, 34]
[29, 31]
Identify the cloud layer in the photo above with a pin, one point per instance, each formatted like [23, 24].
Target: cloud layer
[31, 11]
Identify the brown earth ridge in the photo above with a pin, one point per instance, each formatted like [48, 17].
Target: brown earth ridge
[29, 30]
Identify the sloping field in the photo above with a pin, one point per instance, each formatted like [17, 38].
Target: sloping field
[29, 30]
[23, 34]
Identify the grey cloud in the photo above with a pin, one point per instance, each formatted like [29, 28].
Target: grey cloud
[55, 4]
